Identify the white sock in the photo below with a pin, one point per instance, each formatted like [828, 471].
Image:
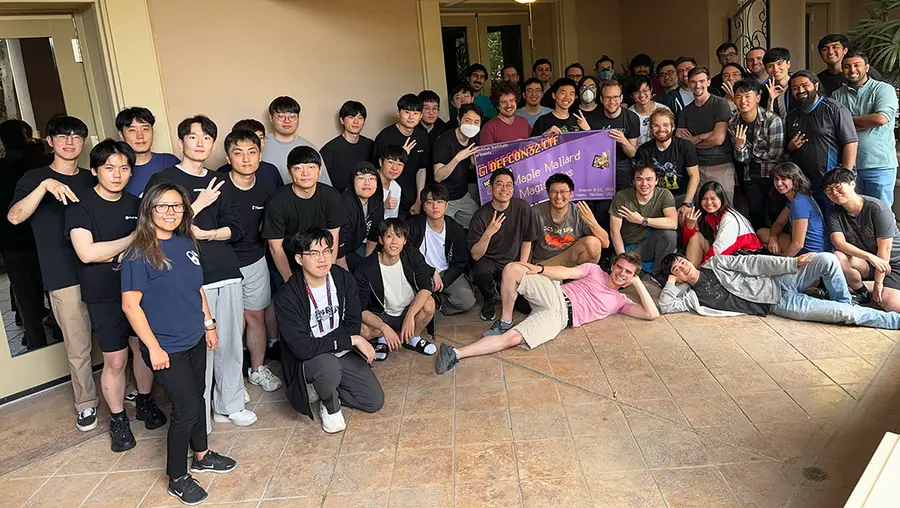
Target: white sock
[429, 349]
[381, 340]
[456, 352]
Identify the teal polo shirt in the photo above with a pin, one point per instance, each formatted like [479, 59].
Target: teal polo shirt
[877, 147]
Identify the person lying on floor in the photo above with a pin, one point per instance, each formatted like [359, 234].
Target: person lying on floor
[760, 285]
[590, 295]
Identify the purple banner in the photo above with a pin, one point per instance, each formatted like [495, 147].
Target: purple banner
[588, 157]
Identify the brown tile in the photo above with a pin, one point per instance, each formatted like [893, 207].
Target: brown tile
[598, 418]
[93, 456]
[148, 454]
[797, 374]
[630, 489]
[855, 389]
[871, 343]
[667, 339]
[539, 423]
[571, 341]
[488, 495]
[485, 463]
[63, 491]
[557, 492]
[603, 454]
[673, 358]
[306, 476]
[667, 445]
[422, 468]
[547, 459]
[426, 431]
[430, 400]
[294, 502]
[822, 401]
[819, 346]
[221, 442]
[158, 495]
[744, 378]
[584, 390]
[354, 473]
[526, 368]
[766, 407]
[741, 442]
[711, 411]
[479, 370]
[760, 484]
[356, 500]
[624, 360]
[702, 486]
[606, 342]
[768, 348]
[532, 394]
[481, 397]
[253, 444]
[274, 415]
[428, 497]
[567, 367]
[42, 467]
[392, 378]
[690, 383]
[313, 442]
[723, 354]
[794, 439]
[483, 427]
[846, 370]
[663, 409]
[370, 435]
[248, 481]
[425, 378]
[16, 492]
[637, 385]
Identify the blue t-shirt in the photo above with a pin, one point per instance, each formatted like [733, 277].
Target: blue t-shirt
[804, 207]
[171, 296]
[140, 174]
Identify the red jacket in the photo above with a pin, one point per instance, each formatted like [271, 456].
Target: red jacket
[733, 233]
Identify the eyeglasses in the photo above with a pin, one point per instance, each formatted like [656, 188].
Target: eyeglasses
[286, 117]
[668, 73]
[534, 90]
[318, 254]
[504, 185]
[162, 208]
[68, 137]
[560, 192]
[643, 91]
[611, 98]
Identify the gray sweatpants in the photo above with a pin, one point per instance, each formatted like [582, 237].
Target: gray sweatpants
[347, 381]
[226, 304]
[458, 297]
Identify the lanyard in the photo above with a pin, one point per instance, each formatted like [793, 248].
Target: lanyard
[316, 306]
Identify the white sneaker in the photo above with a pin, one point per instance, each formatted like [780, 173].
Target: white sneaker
[246, 396]
[264, 379]
[332, 423]
[242, 418]
[311, 393]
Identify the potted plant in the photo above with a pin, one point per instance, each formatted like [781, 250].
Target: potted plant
[878, 36]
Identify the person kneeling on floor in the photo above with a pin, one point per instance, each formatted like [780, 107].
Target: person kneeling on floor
[324, 358]
[590, 295]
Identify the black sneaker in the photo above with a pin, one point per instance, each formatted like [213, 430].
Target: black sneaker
[498, 328]
[87, 419]
[489, 310]
[187, 490]
[445, 360]
[861, 296]
[213, 462]
[148, 413]
[120, 436]
[660, 279]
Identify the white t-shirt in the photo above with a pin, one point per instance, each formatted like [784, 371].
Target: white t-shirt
[686, 96]
[646, 133]
[325, 318]
[433, 248]
[398, 294]
[392, 213]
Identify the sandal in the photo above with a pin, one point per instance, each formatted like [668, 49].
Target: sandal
[381, 350]
[421, 347]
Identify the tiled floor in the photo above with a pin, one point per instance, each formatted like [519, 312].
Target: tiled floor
[683, 411]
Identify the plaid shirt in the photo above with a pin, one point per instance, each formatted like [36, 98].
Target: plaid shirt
[766, 147]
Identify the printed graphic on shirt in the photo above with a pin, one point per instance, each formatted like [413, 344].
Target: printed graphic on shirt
[559, 238]
[667, 174]
[192, 255]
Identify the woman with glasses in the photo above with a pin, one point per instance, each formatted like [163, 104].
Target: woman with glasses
[163, 298]
[642, 92]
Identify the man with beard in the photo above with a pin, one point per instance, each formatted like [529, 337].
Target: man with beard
[753, 62]
[873, 105]
[414, 139]
[820, 133]
[560, 120]
[726, 53]
[476, 76]
[775, 95]
[624, 128]
[680, 97]
[832, 49]
[506, 126]
[675, 161]
[511, 74]
[341, 154]
[668, 78]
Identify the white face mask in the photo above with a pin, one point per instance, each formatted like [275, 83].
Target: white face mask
[469, 130]
[588, 95]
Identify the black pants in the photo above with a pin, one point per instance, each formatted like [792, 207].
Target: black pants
[758, 192]
[183, 383]
[26, 284]
[485, 275]
[349, 378]
[658, 244]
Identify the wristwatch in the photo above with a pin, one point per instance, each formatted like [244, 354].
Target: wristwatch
[689, 204]
[644, 222]
[209, 322]
[542, 269]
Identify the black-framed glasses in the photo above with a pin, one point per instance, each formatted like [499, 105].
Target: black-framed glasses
[162, 208]
[316, 254]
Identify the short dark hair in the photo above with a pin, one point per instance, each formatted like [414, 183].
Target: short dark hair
[683, 59]
[838, 175]
[776, 54]
[429, 96]
[640, 59]
[640, 166]
[575, 65]
[698, 70]
[465, 108]
[249, 124]
[65, 125]
[505, 88]
[399, 226]
[105, 149]
[284, 104]
[855, 53]
[129, 115]
[461, 88]
[665, 63]
[604, 58]
[393, 153]
[630, 258]
[634, 84]
[207, 126]
[303, 155]
[670, 260]
[241, 135]
[434, 191]
[508, 66]
[810, 75]
[410, 102]
[561, 82]
[560, 178]
[736, 66]
[540, 61]
[352, 108]
[744, 86]
[14, 133]
[532, 81]
[302, 241]
[476, 67]
[830, 38]
[363, 168]
[725, 46]
[501, 172]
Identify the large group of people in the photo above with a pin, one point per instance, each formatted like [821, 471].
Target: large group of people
[754, 191]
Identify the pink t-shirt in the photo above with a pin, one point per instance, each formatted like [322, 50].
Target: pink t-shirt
[591, 298]
[497, 131]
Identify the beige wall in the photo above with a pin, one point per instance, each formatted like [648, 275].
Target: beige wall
[599, 31]
[244, 54]
[664, 40]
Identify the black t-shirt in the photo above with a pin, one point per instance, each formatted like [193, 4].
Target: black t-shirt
[671, 165]
[107, 221]
[549, 120]
[874, 221]
[445, 148]
[829, 82]
[713, 294]
[340, 157]
[440, 127]
[55, 254]
[419, 158]
[629, 124]
[518, 227]
[252, 208]
[288, 213]
[828, 127]
[13, 167]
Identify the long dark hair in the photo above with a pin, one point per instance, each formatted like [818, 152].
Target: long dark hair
[705, 229]
[146, 244]
[792, 172]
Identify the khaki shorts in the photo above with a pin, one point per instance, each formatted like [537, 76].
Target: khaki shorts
[549, 314]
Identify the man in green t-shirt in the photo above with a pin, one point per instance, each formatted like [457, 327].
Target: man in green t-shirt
[643, 219]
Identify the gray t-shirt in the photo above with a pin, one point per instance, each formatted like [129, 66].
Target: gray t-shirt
[874, 221]
[276, 152]
[555, 237]
[703, 119]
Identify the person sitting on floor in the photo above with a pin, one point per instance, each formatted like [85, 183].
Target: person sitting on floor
[866, 240]
[568, 233]
[807, 227]
[590, 295]
[324, 357]
[723, 230]
[395, 293]
[443, 243]
[759, 285]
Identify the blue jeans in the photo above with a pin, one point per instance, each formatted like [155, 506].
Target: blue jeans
[877, 183]
[796, 305]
